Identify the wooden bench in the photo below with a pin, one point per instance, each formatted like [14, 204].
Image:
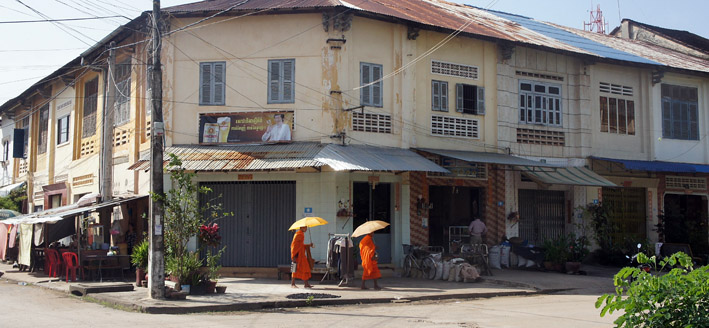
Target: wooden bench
[668, 249]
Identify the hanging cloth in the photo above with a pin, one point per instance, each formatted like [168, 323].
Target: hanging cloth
[24, 255]
[38, 234]
[3, 240]
[13, 237]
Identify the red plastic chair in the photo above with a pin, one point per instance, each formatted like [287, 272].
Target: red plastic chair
[55, 262]
[71, 262]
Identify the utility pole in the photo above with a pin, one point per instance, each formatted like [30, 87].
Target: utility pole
[156, 259]
[109, 111]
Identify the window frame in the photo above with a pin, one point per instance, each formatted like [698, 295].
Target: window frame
[43, 129]
[90, 102]
[6, 150]
[281, 82]
[122, 78]
[59, 129]
[478, 100]
[690, 131]
[439, 102]
[213, 85]
[370, 90]
[544, 98]
[25, 125]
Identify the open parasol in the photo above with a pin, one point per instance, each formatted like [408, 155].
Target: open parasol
[311, 221]
[369, 227]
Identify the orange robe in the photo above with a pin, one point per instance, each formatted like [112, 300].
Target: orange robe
[370, 266]
[297, 252]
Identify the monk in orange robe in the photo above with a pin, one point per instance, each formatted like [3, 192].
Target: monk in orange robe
[369, 262]
[299, 256]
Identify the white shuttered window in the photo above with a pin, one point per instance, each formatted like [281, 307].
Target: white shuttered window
[370, 94]
[212, 83]
[281, 76]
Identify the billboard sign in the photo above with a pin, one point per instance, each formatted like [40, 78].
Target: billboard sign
[246, 127]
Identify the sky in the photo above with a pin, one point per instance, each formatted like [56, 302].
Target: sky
[31, 51]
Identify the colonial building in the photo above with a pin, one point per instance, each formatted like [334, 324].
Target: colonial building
[425, 116]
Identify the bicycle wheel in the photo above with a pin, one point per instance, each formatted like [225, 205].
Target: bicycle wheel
[408, 263]
[428, 266]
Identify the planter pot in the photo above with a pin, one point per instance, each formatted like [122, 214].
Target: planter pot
[559, 267]
[548, 265]
[211, 285]
[185, 288]
[573, 267]
[220, 289]
[144, 283]
[139, 275]
[178, 295]
[200, 289]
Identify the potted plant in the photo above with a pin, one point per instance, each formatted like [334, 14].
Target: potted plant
[556, 252]
[139, 258]
[184, 268]
[578, 250]
[185, 213]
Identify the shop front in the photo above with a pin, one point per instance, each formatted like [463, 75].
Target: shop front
[269, 186]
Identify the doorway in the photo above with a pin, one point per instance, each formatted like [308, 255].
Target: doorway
[685, 221]
[541, 215]
[373, 202]
[452, 206]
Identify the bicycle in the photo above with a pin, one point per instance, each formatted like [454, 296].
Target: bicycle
[421, 258]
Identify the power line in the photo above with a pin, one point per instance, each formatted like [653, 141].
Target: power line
[57, 20]
[59, 25]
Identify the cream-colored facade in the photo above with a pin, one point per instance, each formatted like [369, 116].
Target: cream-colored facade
[327, 83]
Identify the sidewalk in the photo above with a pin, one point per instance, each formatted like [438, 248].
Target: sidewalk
[258, 293]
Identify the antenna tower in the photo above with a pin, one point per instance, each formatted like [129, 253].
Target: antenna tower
[597, 23]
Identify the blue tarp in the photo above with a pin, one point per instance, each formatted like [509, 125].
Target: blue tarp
[657, 166]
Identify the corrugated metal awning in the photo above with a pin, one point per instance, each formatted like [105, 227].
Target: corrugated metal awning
[241, 157]
[54, 215]
[6, 190]
[370, 158]
[579, 176]
[296, 155]
[481, 157]
[658, 166]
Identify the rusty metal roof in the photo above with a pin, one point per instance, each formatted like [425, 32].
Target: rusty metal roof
[246, 157]
[370, 158]
[563, 35]
[661, 55]
[434, 13]
[295, 155]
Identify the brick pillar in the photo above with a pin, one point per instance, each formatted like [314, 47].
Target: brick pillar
[495, 214]
[418, 186]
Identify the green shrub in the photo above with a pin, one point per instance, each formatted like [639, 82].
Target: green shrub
[139, 257]
[679, 298]
[556, 249]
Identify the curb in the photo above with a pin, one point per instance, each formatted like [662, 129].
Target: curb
[252, 306]
[303, 303]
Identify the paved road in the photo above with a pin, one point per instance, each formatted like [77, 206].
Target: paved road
[30, 306]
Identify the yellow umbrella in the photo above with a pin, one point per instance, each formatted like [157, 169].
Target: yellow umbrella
[311, 221]
[369, 227]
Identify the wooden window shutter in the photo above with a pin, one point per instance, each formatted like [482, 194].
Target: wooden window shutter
[219, 83]
[274, 72]
[459, 98]
[365, 92]
[444, 96]
[481, 101]
[288, 74]
[435, 98]
[377, 87]
[205, 90]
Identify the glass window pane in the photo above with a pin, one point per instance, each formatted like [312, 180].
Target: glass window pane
[612, 116]
[621, 116]
[630, 110]
[604, 114]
